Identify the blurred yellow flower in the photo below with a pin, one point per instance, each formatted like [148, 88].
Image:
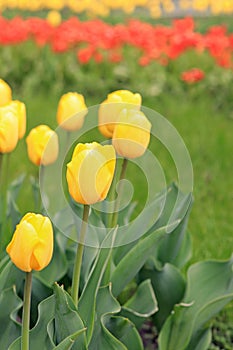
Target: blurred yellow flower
[71, 111]
[131, 134]
[90, 172]
[31, 247]
[110, 109]
[54, 18]
[42, 145]
[5, 93]
[8, 130]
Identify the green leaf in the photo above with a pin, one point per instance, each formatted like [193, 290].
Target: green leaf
[10, 329]
[169, 288]
[201, 341]
[39, 336]
[67, 319]
[124, 330]
[209, 289]
[10, 276]
[105, 304]
[15, 186]
[132, 262]
[87, 301]
[141, 305]
[68, 342]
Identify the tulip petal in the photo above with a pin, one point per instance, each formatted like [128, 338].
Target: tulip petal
[22, 245]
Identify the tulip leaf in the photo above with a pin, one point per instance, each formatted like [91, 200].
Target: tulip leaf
[10, 329]
[10, 276]
[201, 341]
[68, 342]
[133, 261]
[15, 186]
[67, 319]
[209, 289]
[105, 304]
[87, 302]
[57, 268]
[39, 336]
[169, 287]
[123, 330]
[141, 305]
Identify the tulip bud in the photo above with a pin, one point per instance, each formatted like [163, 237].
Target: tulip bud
[90, 172]
[5, 93]
[131, 134]
[54, 18]
[42, 145]
[71, 111]
[8, 130]
[18, 108]
[31, 247]
[109, 109]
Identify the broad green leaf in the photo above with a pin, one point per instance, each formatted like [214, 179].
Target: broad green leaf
[10, 329]
[10, 276]
[105, 304]
[68, 342]
[67, 319]
[201, 341]
[87, 302]
[209, 289]
[38, 336]
[124, 330]
[133, 261]
[141, 305]
[169, 288]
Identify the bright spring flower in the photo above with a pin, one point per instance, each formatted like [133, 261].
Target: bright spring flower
[31, 247]
[42, 145]
[18, 108]
[5, 93]
[54, 18]
[131, 134]
[8, 130]
[71, 111]
[110, 108]
[90, 172]
[193, 75]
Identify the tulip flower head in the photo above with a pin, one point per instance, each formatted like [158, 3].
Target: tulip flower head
[71, 111]
[110, 109]
[8, 130]
[90, 172]
[31, 247]
[19, 110]
[131, 134]
[54, 18]
[42, 145]
[5, 93]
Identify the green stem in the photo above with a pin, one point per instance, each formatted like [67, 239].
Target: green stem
[79, 256]
[1, 169]
[120, 188]
[26, 311]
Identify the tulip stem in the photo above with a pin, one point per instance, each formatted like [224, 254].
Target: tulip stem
[26, 311]
[79, 256]
[120, 188]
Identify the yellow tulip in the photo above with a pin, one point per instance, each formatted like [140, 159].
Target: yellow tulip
[42, 145]
[131, 134]
[5, 93]
[8, 130]
[90, 172]
[31, 247]
[110, 108]
[19, 110]
[71, 111]
[54, 18]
